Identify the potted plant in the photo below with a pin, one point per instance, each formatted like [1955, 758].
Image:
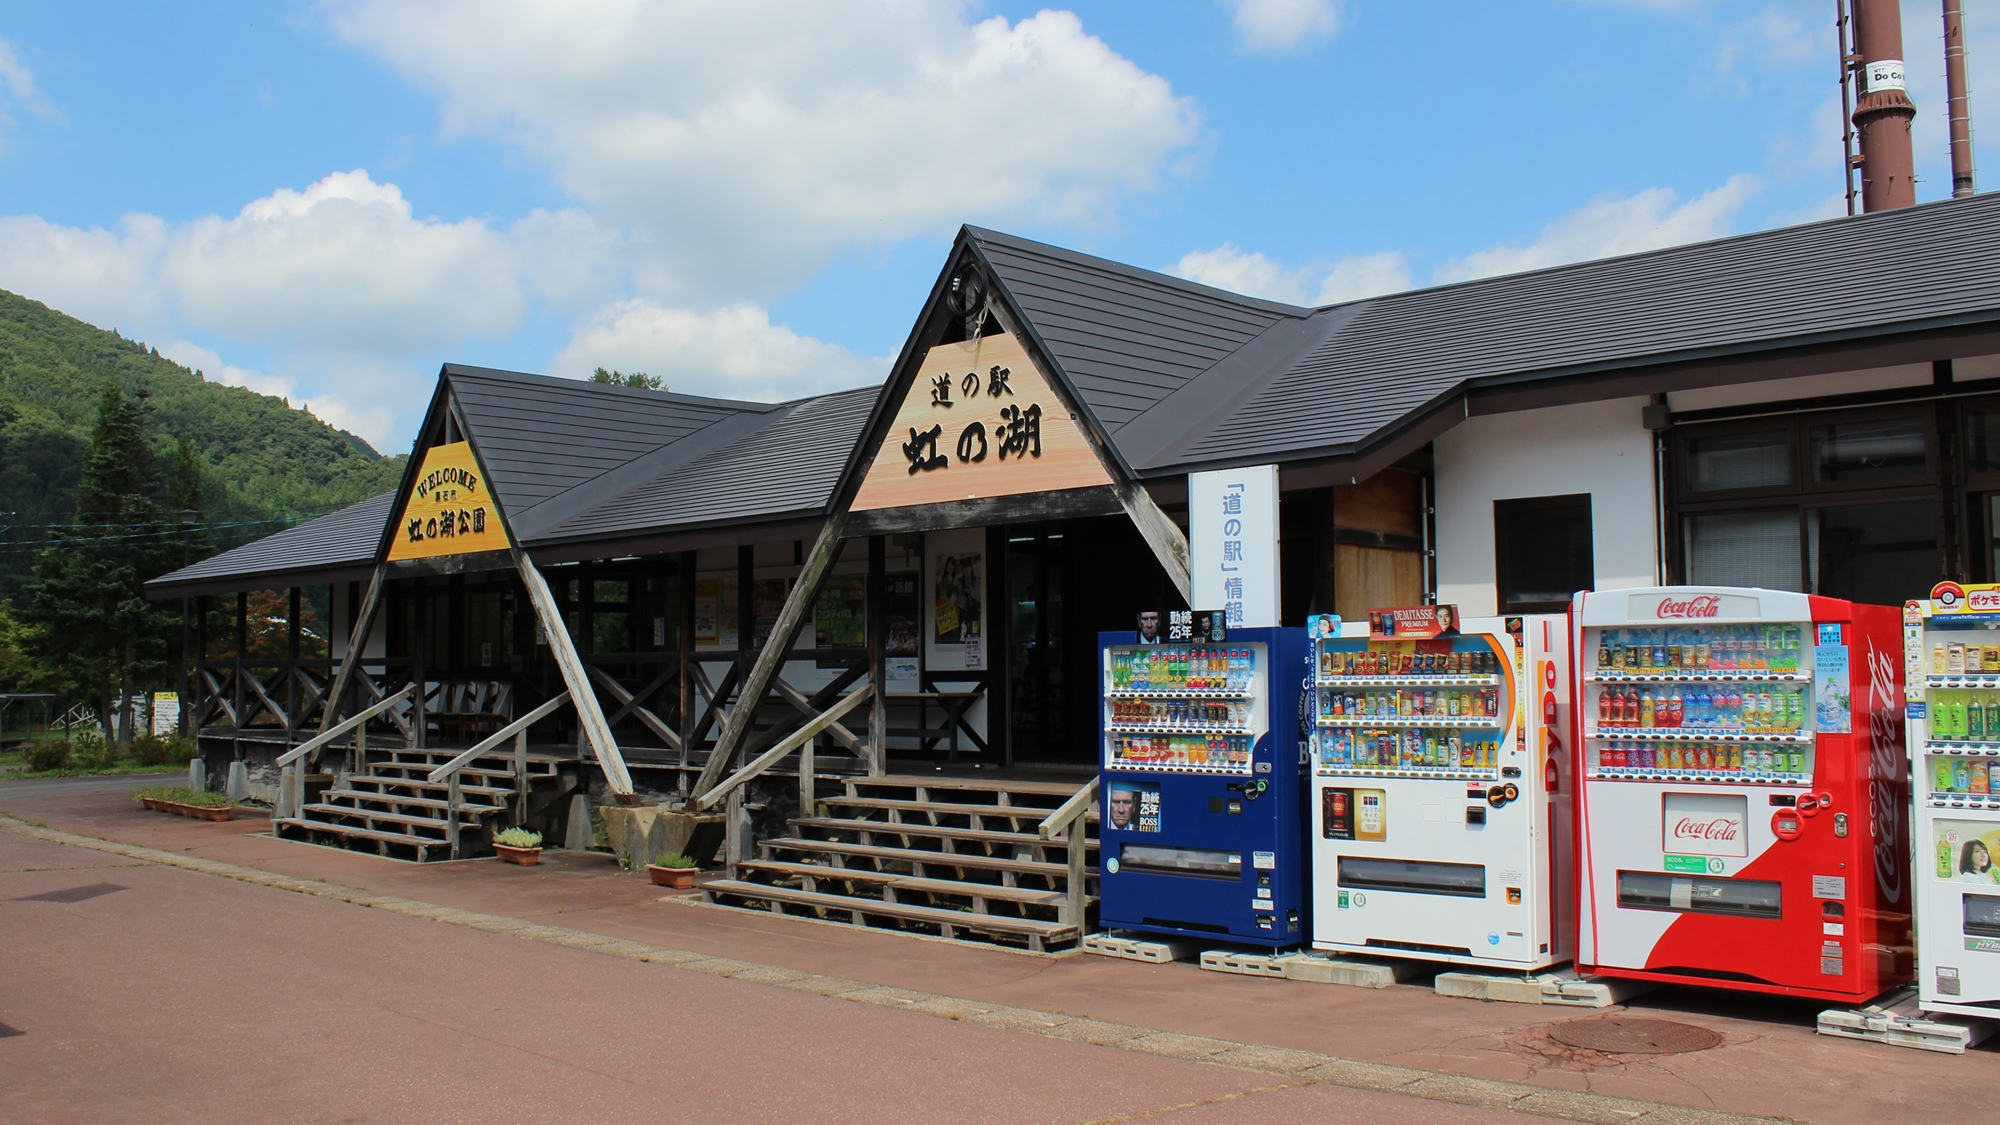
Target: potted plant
[184, 802]
[677, 871]
[518, 845]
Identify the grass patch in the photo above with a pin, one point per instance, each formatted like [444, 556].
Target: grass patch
[121, 769]
[181, 796]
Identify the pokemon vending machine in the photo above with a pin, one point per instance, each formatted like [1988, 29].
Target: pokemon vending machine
[1951, 650]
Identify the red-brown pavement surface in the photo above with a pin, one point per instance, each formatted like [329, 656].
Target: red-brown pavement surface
[1770, 1063]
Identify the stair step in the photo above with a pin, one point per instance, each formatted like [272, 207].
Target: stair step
[436, 822]
[959, 919]
[404, 799]
[429, 786]
[946, 808]
[1062, 789]
[924, 857]
[1025, 895]
[422, 844]
[932, 831]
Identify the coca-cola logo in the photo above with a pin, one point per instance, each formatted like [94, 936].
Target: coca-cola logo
[1717, 828]
[1886, 779]
[1704, 605]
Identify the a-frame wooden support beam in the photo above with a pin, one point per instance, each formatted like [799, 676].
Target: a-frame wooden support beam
[589, 715]
[364, 623]
[777, 648]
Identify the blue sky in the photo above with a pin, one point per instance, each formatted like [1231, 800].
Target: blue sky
[751, 199]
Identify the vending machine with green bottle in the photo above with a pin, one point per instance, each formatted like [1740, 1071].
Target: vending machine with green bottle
[1951, 651]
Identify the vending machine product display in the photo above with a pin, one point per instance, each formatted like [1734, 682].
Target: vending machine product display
[1952, 655]
[1742, 811]
[1439, 815]
[1201, 829]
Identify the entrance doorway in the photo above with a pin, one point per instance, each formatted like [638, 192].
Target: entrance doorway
[1066, 581]
[1037, 569]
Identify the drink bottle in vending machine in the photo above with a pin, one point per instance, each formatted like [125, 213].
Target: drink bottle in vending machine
[1742, 817]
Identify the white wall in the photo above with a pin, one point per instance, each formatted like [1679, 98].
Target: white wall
[1599, 447]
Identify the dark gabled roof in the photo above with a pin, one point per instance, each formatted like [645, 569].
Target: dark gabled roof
[336, 547]
[540, 436]
[1125, 337]
[778, 465]
[1890, 271]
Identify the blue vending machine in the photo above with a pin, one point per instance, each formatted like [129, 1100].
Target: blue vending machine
[1202, 786]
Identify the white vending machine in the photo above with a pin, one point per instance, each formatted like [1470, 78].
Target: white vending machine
[1440, 815]
[1951, 646]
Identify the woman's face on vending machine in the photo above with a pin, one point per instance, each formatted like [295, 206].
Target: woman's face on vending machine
[1979, 857]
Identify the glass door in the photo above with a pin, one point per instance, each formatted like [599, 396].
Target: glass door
[1037, 564]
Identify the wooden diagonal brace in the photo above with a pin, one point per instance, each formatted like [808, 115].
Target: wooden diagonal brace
[630, 705]
[589, 715]
[364, 623]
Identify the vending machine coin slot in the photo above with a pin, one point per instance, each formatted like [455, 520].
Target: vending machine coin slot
[1788, 800]
[1475, 814]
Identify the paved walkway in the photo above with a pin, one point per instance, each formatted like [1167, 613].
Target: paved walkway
[1404, 1038]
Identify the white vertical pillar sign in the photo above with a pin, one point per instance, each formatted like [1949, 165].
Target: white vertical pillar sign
[1233, 544]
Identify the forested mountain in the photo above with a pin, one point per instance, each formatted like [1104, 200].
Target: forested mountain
[263, 464]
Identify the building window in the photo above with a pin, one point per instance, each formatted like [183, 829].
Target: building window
[1542, 552]
[1842, 505]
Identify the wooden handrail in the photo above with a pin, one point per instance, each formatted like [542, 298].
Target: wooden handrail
[790, 743]
[1077, 805]
[345, 725]
[487, 744]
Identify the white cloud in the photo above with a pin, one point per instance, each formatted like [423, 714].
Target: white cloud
[372, 421]
[17, 90]
[1610, 225]
[1280, 25]
[343, 266]
[731, 352]
[749, 142]
[1364, 275]
[1253, 274]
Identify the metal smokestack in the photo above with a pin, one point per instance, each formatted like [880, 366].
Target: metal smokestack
[1882, 107]
[1960, 111]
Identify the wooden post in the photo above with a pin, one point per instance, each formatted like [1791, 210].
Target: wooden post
[770, 658]
[357, 642]
[361, 750]
[454, 794]
[292, 669]
[1074, 844]
[242, 644]
[590, 717]
[876, 611]
[736, 832]
[521, 776]
[690, 697]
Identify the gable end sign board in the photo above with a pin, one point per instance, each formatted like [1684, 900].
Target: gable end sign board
[979, 420]
[1233, 544]
[450, 511]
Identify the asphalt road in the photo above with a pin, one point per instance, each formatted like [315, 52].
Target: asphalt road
[136, 992]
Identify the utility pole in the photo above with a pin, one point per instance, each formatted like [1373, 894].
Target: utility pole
[1882, 108]
[1959, 108]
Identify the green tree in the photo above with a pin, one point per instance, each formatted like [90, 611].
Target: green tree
[637, 379]
[95, 628]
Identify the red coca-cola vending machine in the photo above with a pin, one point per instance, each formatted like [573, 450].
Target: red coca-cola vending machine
[1741, 815]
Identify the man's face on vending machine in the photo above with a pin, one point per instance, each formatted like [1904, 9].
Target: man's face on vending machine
[1149, 625]
[1121, 807]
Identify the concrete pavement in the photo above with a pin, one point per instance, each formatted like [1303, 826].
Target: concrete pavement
[1770, 1063]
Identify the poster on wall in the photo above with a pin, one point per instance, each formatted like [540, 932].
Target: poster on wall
[957, 596]
[1834, 704]
[166, 712]
[902, 635]
[840, 617]
[708, 613]
[1233, 544]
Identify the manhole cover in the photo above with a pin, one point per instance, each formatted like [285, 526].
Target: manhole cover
[1617, 1036]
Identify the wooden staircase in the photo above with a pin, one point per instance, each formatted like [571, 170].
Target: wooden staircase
[960, 858]
[392, 810]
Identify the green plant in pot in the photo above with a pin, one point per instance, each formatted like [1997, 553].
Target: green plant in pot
[672, 871]
[518, 845]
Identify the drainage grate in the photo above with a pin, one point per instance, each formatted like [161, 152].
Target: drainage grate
[73, 894]
[1619, 1036]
